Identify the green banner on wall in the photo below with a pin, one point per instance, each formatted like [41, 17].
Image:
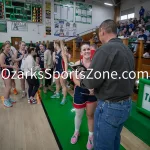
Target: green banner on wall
[143, 103]
[83, 13]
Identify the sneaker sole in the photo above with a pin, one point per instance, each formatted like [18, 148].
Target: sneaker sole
[8, 107]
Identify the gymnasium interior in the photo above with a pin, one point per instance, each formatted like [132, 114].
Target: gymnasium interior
[49, 125]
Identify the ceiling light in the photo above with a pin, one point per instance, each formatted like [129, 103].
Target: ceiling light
[108, 4]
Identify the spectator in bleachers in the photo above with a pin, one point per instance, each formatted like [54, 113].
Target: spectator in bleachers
[142, 22]
[126, 25]
[141, 12]
[31, 44]
[142, 35]
[147, 50]
[135, 22]
[95, 38]
[131, 25]
[44, 44]
[121, 27]
[36, 44]
[147, 25]
[130, 32]
[137, 32]
[146, 32]
[79, 40]
[125, 32]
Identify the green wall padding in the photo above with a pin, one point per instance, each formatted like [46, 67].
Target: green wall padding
[139, 125]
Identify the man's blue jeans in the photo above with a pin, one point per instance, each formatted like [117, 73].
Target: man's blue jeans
[108, 123]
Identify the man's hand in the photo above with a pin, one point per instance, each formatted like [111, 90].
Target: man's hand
[91, 91]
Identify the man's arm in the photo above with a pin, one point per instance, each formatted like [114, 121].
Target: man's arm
[101, 62]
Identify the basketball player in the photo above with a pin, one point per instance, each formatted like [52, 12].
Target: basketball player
[84, 98]
[5, 62]
[12, 52]
[61, 64]
[40, 61]
[21, 53]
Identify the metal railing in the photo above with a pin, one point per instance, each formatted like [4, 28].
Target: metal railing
[81, 34]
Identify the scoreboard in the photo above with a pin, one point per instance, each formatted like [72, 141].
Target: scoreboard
[36, 13]
[21, 10]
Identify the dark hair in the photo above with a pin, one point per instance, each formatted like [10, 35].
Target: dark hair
[94, 45]
[109, 26]
[30, 49]
[142, 30]
[51, 47]
[41, 44]
[7, 42]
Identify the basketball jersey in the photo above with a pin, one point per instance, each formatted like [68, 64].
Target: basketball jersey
[59, 64]
[18, 56]
[79, 89]
[8, 61]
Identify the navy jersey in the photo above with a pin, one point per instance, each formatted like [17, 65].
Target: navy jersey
[18, 56]
[79, 89]
[8, 61]
[82, 97]
[59, 64]
[40, 54]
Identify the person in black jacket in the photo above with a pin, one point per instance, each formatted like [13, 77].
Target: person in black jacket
[111, 75]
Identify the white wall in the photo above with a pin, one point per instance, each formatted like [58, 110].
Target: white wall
[126, 4]
[99, 14]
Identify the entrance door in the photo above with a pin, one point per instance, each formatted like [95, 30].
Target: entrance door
[15, 41]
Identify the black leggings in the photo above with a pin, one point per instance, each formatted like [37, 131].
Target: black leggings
[33, 86]
[48, 82]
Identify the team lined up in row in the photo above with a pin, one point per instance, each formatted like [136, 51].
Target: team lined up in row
[55, 57]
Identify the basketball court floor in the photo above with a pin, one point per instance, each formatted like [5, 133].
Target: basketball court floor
[47, 126]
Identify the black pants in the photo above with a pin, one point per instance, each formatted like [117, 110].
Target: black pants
[48, 81]
[33, 86]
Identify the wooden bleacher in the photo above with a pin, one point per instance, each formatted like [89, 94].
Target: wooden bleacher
[141, 63]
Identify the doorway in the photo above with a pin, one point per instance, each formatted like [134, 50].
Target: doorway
[15, 41]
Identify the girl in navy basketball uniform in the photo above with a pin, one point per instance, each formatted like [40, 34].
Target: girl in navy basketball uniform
[84, 98]
[40, 61]
[20, 55]
[7, 73]
[12, 52]
[61, 66]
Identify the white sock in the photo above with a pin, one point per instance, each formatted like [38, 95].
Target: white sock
[90, 133]
[78, 118]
